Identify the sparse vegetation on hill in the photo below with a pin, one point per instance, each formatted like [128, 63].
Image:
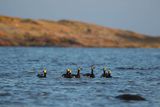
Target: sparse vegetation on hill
[28, 32]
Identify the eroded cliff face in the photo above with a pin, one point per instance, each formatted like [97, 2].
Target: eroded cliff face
[28, 32]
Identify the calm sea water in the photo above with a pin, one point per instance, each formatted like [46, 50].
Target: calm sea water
[134, 71]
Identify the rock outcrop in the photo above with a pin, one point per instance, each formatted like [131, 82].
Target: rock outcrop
[129, 97]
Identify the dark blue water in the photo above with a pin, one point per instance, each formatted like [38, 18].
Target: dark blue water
[134, 71]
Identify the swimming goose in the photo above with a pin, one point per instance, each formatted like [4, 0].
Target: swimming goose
[42, 74]
[67, 74]
[91, 75]
[78, 73]
[109, 74]
[106, 74]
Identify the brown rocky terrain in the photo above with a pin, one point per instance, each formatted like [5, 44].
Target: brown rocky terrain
[65, 33]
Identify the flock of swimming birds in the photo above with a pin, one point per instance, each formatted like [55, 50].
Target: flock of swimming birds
[106, 73]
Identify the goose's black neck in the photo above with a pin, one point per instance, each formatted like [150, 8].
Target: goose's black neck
[78, 72]
[104, 72]
[92, 71]
[45, 74]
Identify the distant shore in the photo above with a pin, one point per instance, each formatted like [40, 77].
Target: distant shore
[64, 33]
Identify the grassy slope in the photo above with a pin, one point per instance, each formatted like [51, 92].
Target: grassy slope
[27, 32]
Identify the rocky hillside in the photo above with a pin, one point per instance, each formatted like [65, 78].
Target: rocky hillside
[65, 33]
